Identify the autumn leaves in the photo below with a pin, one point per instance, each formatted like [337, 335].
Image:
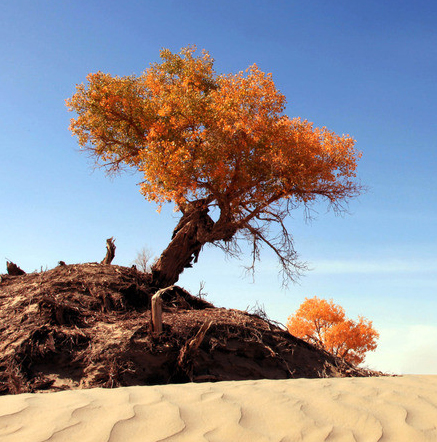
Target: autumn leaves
[214, 141]
[192, 132]
[324, 324]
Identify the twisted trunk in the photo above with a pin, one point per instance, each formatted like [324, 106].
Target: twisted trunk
[190, 234]
[193, 230]
[110, 251]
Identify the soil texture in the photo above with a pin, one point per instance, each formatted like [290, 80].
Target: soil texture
[89, 325]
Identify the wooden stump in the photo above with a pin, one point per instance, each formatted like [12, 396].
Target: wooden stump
[188, 352]
[13, 269]
[110, 251]
[157, 312]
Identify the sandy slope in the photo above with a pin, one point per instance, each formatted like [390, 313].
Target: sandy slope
[347, 409]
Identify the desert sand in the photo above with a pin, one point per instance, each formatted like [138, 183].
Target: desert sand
[337, 409]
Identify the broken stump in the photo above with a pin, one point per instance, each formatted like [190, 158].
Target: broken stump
[110, 251]
[13, 269]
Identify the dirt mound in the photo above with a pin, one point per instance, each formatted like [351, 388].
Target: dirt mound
[89, 325]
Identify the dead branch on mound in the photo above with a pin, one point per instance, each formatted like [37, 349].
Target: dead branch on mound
[188, 351]
[157, 312]
[13, 269]
[172, 296]
[110, 251]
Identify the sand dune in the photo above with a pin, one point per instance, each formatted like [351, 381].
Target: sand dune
[341, 409]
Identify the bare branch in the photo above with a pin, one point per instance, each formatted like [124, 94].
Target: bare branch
[291, 268]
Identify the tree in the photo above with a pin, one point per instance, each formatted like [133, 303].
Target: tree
[220, 148]
[144, 259]
[325, 325]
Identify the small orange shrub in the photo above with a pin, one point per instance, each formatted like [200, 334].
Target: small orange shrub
[325, 325]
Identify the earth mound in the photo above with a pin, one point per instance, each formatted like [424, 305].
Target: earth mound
[89, 325]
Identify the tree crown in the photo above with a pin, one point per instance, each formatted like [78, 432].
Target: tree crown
[216, 140]
[325, 325]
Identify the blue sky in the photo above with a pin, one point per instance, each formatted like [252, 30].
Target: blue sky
[367, 68]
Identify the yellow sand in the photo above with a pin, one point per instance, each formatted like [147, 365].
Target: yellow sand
[352, 409]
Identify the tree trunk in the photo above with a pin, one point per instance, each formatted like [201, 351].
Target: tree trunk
[191, 233]
[110, 251]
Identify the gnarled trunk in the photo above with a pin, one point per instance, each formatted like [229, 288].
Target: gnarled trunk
[193, 230]
[110, 251]
[190, 234]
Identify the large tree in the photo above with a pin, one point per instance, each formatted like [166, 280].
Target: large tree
[215, 145]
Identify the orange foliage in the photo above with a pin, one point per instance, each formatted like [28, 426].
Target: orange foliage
[193, 132]
[325, 325]
[222, 140]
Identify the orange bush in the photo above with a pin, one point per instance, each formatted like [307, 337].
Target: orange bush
[325, 325]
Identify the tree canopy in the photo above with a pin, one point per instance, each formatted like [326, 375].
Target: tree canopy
[325, 325]
[205, 141]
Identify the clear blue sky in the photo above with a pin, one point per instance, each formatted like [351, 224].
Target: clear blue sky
[367, 68]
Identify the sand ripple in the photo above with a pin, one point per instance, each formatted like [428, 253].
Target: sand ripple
[317, 410]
